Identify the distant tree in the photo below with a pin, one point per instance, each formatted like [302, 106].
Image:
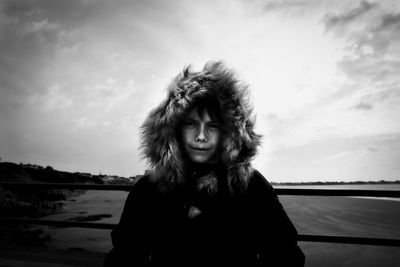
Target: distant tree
[49, 168]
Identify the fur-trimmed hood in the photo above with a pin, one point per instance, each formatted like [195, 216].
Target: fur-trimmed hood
[159, 142]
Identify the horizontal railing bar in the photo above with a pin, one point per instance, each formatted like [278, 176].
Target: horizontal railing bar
[337, 192]
[58, 223]
[350, 240]
[71, 186]
[279, 191]
[301, 237]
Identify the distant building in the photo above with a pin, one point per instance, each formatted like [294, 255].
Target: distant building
[134, 179]
[107, 178]
[32, 166]
[86, 174]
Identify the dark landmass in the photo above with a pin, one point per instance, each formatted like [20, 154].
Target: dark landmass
[26, 203]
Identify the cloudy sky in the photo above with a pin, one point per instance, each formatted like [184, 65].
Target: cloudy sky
[77, 79]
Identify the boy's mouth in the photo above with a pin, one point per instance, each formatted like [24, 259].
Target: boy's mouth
[200, 148]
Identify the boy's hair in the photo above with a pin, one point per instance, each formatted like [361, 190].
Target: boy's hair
[209, 104]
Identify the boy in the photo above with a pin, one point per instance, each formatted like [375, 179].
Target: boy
[203, 204]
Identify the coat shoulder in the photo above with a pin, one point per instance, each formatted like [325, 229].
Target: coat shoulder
[144, 188]
[258, 183]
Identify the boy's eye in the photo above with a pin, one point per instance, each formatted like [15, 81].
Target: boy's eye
[189, 123]
[214, 125]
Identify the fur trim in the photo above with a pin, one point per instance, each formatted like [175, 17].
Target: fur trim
[158, 133]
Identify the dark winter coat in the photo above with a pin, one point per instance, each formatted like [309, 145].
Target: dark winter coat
[238, 221]
[250, 229]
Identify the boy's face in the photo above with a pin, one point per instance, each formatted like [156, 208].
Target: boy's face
[200, 136]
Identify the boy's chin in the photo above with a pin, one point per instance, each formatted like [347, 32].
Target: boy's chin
[200, 159]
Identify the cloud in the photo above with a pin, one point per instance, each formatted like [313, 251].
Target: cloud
[40, 26]
[364, 106]
[271, 116]
[387, 98]
[390, 21]
[344, 155]
[29, 40]
[371, 32]
[370, 39]
[373, 149]
[343, 19]
[53, 99]
[109, 93]
[279, 5]
[83, 122]
[341, 159]
[289, 9]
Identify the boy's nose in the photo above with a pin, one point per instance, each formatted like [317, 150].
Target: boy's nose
[201, 135]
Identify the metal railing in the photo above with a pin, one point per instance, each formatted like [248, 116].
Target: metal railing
[279, 191]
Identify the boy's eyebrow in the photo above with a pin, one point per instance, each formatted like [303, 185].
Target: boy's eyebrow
[190, 119]
[196, 119]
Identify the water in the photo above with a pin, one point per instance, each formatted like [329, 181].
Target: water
[346, 216]
[346, 186]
